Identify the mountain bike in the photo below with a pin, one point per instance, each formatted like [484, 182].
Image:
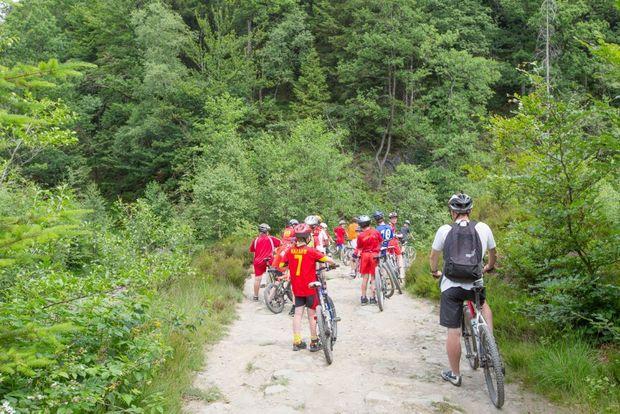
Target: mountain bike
[393, 270]
[346, 254]
[381, 288]
[481, 348]
[326, 318]
[409, 254]
[388, 279]
[277, 291]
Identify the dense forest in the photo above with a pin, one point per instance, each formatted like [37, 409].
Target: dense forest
[142, 140]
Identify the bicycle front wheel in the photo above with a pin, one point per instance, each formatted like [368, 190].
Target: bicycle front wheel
[334, 333]
[325, 341]
[492, 364]
[274, 298]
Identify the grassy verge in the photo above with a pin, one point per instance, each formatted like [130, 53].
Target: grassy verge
[561, 366]
[195, 309]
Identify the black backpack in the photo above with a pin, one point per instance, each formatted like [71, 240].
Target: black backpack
[462, 254]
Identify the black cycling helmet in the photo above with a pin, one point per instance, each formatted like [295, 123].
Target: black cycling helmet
[263, 228]
[393, 214]
[293, 222]
[363, 221]
[378, 215]
[461, 203]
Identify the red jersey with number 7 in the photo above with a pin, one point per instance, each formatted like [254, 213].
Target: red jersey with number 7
[302, 268]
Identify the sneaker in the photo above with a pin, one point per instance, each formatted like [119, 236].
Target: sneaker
[299, 346]
[292, 311]
[352, 275]
[373, 301]
[255, 298]
[364, 300]
[455, 380]
[315, 345]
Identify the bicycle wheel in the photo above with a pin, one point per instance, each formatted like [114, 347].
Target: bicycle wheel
[396, 282]
[332, 307]
[274, 298]
[289, 292]
[388, 284]
[492, 365]
[346, 257]
[379, 289]
[470, 341]
[325, 342]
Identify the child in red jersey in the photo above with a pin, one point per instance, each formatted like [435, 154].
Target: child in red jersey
[263, 247]
[368, 247]
[302, 261]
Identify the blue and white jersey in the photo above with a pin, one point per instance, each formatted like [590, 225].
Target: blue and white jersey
[387, 234]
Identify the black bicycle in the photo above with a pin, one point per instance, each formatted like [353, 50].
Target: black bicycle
[481, 348]
[326, 318]
[277, 291]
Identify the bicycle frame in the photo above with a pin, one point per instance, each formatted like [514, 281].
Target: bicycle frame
[322, 293]
[477, 319]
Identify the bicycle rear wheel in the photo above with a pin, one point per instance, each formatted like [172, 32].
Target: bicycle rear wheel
[396, 281]
[492, 364]
[289, 292]
[346, 257]
[325, 341]
[274, 298]
[379, 289]
[470, 341]
[387, 281]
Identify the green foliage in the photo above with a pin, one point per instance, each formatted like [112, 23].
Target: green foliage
[561, 156]
[29, 124]
[90, 339]
[311, 93]
[409, 191]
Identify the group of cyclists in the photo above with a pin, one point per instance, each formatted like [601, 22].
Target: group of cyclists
[304, 245]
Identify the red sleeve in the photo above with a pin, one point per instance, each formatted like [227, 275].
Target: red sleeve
[276, 241]
[252, 246]
[316, 255]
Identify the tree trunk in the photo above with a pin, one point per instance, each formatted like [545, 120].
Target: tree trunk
[248, 47]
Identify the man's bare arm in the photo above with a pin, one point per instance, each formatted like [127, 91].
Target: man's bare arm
[434, 262]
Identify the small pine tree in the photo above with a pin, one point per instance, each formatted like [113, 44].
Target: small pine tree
[311, 93]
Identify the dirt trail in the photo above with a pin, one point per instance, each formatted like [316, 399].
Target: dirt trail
[384, 362]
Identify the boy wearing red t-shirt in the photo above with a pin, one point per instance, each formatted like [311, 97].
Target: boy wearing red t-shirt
[302, 261]
[263, 247]
[340, 233]
[368, 247]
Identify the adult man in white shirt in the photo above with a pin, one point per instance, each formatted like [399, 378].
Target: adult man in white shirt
[454, 292]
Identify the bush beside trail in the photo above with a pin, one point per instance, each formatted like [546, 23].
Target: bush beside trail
[98, 310]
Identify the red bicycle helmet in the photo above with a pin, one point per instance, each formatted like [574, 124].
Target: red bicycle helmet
[302, 231]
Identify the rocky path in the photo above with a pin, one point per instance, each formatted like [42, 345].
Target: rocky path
[385, 362]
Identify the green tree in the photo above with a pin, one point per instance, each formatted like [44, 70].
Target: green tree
[560, 156]
[311, 92]
[29, 124]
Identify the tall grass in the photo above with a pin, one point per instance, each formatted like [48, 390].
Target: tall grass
[196, 309]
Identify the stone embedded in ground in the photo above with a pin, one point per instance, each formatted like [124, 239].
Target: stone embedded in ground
[283, 374]
[274, 389]
[376, 397]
